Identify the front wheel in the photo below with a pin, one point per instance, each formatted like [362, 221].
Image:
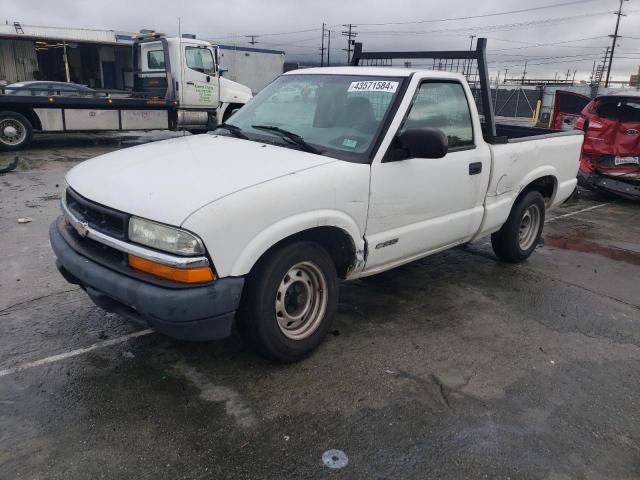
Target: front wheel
[289, 302]
[519, 236]
[15, 131]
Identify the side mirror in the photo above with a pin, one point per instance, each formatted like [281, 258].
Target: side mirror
[424, 142]
[222, 70]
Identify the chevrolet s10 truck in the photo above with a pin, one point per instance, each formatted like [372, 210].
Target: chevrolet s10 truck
[368, 169]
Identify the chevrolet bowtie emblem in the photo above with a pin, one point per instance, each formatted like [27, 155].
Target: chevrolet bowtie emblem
[82, 228]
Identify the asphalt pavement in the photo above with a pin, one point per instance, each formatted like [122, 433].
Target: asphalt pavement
[455, 366]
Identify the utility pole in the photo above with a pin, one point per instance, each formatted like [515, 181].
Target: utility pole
[506, 70]
[328, 48]
[615, 39]
[470, 61]
[350, 34]
[524, 72]
[601, 68]
[322, 48]
[253, 40]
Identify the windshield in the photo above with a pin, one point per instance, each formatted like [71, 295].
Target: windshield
[337, 115]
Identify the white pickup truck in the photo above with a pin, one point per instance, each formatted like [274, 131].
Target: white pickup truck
[365, 170]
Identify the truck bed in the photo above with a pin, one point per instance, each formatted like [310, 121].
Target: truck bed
[519, 133]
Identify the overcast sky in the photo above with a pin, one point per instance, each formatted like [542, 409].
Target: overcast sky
[572, 36]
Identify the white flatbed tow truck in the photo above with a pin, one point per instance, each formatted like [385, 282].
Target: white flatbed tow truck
[177, 86]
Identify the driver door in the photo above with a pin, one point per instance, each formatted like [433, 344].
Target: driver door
[200, 81]
[422, 205]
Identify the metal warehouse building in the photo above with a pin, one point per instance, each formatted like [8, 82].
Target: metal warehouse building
[97, 58]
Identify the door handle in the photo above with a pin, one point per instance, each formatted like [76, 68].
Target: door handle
[208, 78]
[475, 168]
[190, 83]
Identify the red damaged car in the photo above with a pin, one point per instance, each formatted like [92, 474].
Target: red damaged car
[610, 158]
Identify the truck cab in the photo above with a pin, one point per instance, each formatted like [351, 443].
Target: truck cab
[187, 71]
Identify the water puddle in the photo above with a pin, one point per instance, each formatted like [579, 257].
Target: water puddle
[585, 246]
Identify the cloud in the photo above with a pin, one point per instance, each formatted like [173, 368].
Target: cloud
[571, 36]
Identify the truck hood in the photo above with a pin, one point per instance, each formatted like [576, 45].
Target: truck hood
[166, 181]
[234, 92]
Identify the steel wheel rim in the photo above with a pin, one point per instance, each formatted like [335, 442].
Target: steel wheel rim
[12, 132]
[301, 301]
[529, 226]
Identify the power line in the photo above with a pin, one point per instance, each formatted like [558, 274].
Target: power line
[495, 27]
[554, 44]
[470, 17]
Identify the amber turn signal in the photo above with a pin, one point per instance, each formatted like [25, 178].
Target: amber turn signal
[182, 275]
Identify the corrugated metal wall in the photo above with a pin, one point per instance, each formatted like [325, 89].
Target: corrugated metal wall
[18, 60]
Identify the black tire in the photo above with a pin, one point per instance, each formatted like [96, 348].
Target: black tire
[18, 122]
[508, 243]
[258, 320]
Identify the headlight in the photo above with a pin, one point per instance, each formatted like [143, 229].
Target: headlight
[162, 237]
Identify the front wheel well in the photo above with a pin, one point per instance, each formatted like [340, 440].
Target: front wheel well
[338, 244]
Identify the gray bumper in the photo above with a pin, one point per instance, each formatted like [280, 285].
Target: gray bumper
[626, 189]
[198, 313]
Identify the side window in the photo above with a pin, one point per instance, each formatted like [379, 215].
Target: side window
[155, 60]
[199, 59]
[443, 106]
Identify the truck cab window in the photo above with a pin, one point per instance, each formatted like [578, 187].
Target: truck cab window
[199, 59]
[442, 105]
[155, 60]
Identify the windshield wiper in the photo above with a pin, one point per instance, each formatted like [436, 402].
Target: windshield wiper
[292, 137]
[235, 131]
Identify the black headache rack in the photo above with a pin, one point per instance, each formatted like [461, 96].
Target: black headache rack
[470, 63]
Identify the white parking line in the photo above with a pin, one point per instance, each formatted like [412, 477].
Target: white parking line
[74, 353]
[571, 214]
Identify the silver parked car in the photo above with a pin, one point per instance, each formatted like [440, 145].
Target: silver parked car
[48, 88]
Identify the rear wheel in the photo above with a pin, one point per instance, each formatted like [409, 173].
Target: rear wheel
[15, 131]
[519, 236]
[289, 302]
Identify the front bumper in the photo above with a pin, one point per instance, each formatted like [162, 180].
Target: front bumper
[195, 313]
[593, 181]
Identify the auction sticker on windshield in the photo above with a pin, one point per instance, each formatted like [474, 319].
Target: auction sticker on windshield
[372, 86]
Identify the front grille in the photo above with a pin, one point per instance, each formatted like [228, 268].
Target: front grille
[91, 249]
[106, 220]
